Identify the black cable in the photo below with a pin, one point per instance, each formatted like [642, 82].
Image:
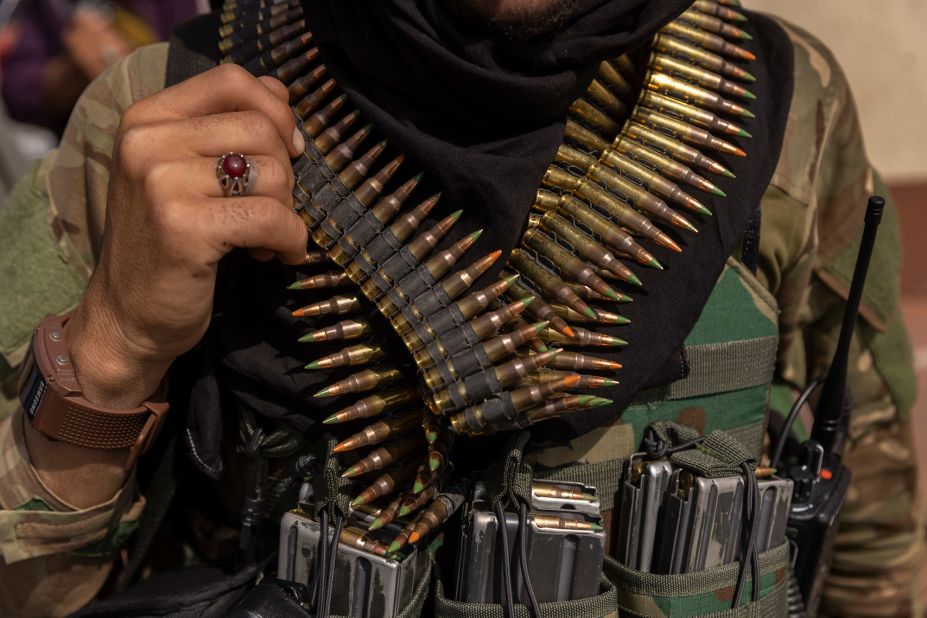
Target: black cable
[533, 605]
[657, 448]
[321, 553]
[754, 550]
[325, 609]
[508, 595]
[790, 420]
[751, 511]
[794, 600]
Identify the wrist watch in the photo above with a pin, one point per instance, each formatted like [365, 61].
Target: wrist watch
[53, 402]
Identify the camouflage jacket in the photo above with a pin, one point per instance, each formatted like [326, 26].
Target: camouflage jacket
[56, 558]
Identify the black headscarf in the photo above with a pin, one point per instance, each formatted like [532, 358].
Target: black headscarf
[483, 116]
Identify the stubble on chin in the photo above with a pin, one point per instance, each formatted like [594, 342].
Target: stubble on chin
[517, 20]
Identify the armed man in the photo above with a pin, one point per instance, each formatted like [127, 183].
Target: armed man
[385, 233]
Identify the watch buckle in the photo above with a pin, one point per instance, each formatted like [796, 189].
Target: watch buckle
[146, 437]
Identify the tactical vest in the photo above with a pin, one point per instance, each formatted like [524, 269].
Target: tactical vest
[731, 355]
[606, 176]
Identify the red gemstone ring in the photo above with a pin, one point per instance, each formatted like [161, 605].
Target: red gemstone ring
[233, 171]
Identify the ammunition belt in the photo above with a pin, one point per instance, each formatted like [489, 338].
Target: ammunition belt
[604, 197]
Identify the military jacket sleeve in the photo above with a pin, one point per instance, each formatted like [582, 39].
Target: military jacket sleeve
[55, 558]
[812, 220]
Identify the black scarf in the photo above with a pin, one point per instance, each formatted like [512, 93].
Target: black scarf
[483, 117]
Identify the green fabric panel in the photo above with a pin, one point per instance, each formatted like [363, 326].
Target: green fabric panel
[781, 399]
[750, 436]
[9, 383]
[730, 314]
[891, 350]
[702, 593]
[33, 505]
[109, 545]
[729, 411]
[883, 283]
[891, 353]
[34, 276]
[727, 366]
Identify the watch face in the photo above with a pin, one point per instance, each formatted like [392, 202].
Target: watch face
[33, 391]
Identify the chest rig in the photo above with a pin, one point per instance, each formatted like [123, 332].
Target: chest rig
[536, 343]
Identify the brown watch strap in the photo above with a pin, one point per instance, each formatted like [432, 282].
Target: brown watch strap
[54, 404]
[91, 428]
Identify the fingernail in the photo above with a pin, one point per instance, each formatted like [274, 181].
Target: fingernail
[299, 142]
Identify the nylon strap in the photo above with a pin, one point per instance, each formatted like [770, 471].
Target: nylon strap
[329, 490]
[728, 366]
[511, 476]
[719, 454]
[638, 590]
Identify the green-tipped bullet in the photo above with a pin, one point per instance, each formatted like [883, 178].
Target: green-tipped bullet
[385, 484]
[343, 153]
[373, 186]
[384, 456]
[357, 170]
[365, 380]
[355, 355]
[380, 431]
[344, 330]
[387, 515]
[417, 501]
[374, 405]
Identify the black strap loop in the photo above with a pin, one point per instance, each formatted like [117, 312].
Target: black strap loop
[331, 492]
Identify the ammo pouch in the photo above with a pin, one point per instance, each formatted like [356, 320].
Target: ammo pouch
[706, 592]
[624, 592]
[280, 599]
[509, 481]
[630, 592]
[702, 593]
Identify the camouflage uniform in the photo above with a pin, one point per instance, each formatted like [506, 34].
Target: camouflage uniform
[811, 220]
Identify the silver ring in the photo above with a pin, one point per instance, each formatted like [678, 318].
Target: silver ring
[234, 172]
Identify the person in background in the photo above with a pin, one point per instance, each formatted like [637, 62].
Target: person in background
[62, 46]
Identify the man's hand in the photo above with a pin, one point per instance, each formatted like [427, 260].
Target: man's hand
[168, 224]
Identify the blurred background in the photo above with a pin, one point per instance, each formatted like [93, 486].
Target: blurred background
[50, 50]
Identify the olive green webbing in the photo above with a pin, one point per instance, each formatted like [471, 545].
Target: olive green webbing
[718, 455]
[640, 593]
[726, 366]
[750, 436]
[510, 477]
[422, 589]
[605, 605]
[689, 584]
